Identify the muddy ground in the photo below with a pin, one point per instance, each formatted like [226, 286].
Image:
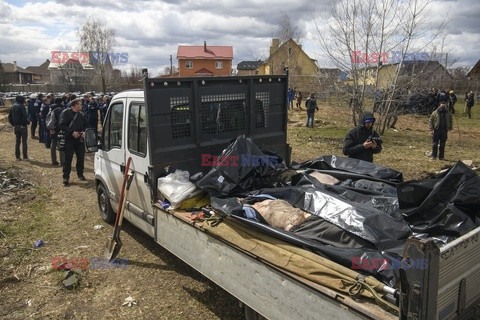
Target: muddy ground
[64, 218]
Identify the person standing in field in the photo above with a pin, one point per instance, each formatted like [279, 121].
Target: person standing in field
[290, 96]
[311, 105]
[19, 121]
[440, 123]
[469, 103]
[299, 100]
[57, 109]
[73, 123]
[452, 99]
[32, 115]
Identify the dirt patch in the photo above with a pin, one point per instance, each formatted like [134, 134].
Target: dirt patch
[64, 218]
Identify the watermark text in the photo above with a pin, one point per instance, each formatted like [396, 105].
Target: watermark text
[388, 57]
[93, 57]
[244, 160]
[394, 263]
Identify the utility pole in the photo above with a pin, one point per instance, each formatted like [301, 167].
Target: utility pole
[171, 65]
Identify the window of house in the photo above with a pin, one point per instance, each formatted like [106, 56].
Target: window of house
[189, 64]
[218, 65]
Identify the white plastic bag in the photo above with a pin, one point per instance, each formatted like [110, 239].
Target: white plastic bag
[176, 187]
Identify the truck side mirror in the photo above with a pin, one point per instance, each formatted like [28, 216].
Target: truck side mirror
[92, 142]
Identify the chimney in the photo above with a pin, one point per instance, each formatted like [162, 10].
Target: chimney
[274, 46]
[15, 66]
[205, 46]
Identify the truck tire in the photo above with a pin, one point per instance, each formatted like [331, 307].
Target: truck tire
[106, 211]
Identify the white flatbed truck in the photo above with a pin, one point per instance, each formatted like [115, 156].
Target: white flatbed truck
[171, 123]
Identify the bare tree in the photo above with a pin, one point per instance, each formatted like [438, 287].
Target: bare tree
[288, 35]
[286, 30]
[99, 40]
[168, 70]
[132, 78]
[360, 35]
[71, 75]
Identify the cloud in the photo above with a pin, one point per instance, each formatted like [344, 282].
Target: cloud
[150, 31]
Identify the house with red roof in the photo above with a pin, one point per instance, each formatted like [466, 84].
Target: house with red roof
[201, 61]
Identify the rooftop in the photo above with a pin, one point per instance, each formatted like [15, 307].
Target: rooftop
[205, 52]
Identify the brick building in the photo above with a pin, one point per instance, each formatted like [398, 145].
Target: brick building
[196, 61]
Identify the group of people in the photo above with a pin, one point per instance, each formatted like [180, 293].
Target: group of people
[294, 97]
[61, 123]
[73, 116]
[362, 142]
[420, 101]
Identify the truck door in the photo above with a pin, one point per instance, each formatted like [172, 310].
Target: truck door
[139, 196]
[112, 156]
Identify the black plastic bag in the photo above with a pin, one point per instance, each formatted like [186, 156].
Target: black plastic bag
[245, 167]
[358, 168]
[445, 207]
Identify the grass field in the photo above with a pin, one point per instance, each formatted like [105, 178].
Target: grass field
[405, 148]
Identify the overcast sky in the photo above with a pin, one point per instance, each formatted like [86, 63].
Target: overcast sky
[150, 31]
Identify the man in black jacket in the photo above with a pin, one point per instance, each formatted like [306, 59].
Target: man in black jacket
[18, 119]
[37, 104]
[362, 141]
[311, 105]
[73, 124]
[56, 108]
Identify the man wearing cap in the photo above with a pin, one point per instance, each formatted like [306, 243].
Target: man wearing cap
[452, 99]
[32, 114]
[362, 141]
[440, 123]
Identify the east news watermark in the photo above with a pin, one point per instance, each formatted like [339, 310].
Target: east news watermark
[388, 57]
[394, 263]
[242, 160]
[92, 57]
[59, 263]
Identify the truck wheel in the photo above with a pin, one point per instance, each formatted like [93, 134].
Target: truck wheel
[106, 211]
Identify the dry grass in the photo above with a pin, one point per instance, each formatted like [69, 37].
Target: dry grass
[405, 148]
[164, 287]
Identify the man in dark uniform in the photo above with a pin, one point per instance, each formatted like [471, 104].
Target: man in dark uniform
[18, 119]
[73, 124]
[91, 113]
[57, 109]
[362, 141]
[37, 105]
[32, 114]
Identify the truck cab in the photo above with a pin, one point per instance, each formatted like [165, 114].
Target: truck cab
[158, 127]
